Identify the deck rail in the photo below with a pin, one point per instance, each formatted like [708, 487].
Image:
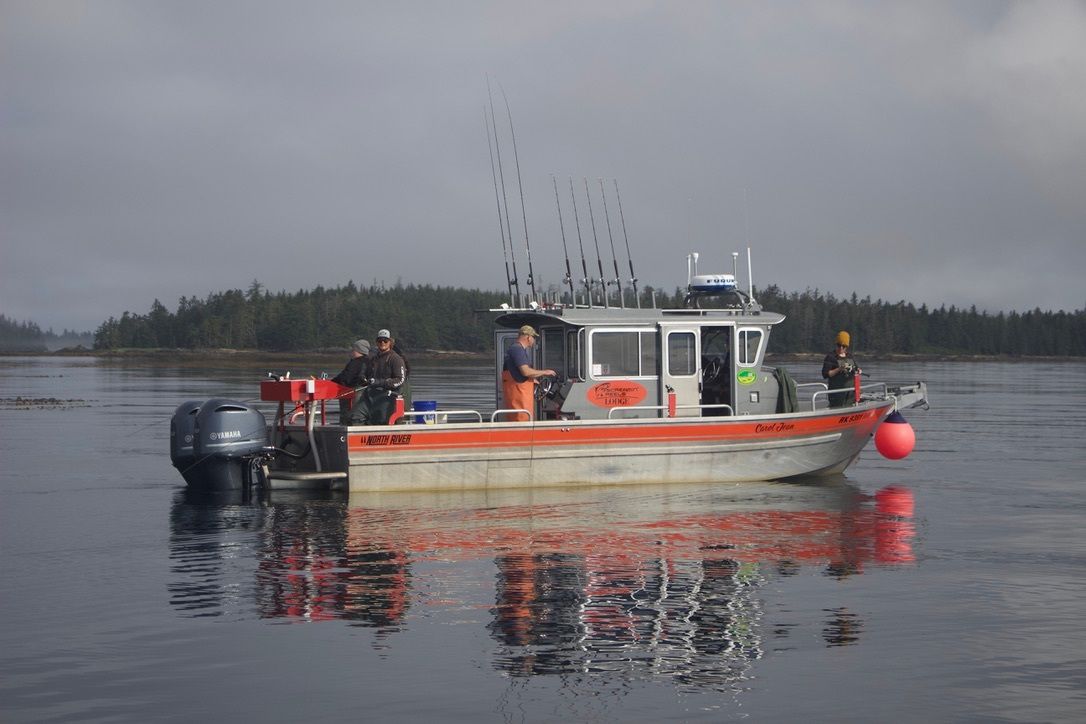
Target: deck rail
[612, 410]
[443, 413]
[825, 392]
[509, 411]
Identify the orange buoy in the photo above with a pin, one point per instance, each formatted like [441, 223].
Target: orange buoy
[895, 438]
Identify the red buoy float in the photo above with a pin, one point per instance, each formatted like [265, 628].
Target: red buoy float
[895, 438]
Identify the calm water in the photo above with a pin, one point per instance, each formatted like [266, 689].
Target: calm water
[945, 587]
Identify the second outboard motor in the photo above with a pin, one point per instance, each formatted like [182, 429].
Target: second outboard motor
[227, 435]
[182, 436]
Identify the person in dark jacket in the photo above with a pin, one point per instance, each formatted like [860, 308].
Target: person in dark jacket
[839, 369]
[356, 374]
[387, 374]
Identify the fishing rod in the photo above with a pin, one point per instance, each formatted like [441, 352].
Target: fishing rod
[497, 200]
[592, 218]
[505, 197]
[561, 226]
[614, 256]
[584, 263]
[523, 214]
[633, 277]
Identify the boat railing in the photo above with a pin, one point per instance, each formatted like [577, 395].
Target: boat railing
[613, 410]
[509, 411]
[443, 414]
[821, 387]
[824, 392]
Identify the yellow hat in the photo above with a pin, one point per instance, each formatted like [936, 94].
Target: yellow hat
[843, 338]
[528, 331]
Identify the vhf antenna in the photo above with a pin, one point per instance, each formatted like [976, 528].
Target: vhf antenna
[614, 256]
[584, 262]
[501, 175]
[565, 250]
[633, 277]
[497, 200]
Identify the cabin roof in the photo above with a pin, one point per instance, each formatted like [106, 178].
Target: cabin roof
[607, 317]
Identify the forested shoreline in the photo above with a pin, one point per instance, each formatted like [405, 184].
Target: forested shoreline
[425, 317]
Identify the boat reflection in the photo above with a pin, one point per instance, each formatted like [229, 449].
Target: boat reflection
[669, 578]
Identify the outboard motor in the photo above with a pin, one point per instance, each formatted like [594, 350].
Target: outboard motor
[182, 435]
[226, 437]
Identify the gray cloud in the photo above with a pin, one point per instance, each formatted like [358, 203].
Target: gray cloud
[928, 152]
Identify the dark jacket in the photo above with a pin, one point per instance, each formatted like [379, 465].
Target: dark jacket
[832, 362]
[355, 373]
[388, 370]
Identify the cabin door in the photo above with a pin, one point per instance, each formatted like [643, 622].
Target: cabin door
[680, 352]
[502, 340]
[716, 369]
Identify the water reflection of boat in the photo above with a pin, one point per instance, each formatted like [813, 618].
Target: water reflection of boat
[669, 578]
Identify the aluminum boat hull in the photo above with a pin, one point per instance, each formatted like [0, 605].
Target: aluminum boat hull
[464, 456]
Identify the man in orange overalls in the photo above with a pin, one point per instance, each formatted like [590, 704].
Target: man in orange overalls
[518, 375]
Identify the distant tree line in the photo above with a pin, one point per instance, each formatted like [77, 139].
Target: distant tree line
[900, 327]
[446, 318]
[422, 317]
[29, 337]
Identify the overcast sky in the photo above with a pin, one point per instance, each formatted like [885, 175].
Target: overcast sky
[932, 152]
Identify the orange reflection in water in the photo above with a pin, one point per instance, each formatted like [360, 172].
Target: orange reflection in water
[610, 548]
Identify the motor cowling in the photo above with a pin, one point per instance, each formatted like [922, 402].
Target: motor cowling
[182, 436]
[227, 434]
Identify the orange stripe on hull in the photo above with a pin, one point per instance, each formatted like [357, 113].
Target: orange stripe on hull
[401, 439]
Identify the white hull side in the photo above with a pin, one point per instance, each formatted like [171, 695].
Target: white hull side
[540, 458]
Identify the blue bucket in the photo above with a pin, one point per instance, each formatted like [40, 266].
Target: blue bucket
[425, 406]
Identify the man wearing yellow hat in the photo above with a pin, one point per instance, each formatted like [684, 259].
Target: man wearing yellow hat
[839, 371]
[518, 375]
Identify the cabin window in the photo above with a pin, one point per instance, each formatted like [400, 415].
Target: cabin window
[572, 364]
[624, 354]
[650, 363]
[750, 340]
[553, 354]
[681, 354]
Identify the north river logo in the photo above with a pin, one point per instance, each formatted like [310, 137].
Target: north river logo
[746, 377]
[229, 434]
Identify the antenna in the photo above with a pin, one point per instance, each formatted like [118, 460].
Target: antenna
[497, 200]
[501, 176]
[592, 218]
[735, 263]
[746, 219]
[561, 226]
[750, 276]
[633, 277]
[614, 256]
[523, 214]
[584, 262]
[691, 267]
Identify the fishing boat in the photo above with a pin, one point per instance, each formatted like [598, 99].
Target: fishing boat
[642, 395]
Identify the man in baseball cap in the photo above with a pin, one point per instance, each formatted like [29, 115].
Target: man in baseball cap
[387, 375]
[519, 377]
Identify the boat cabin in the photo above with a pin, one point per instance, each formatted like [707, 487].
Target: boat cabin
[623, 363]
